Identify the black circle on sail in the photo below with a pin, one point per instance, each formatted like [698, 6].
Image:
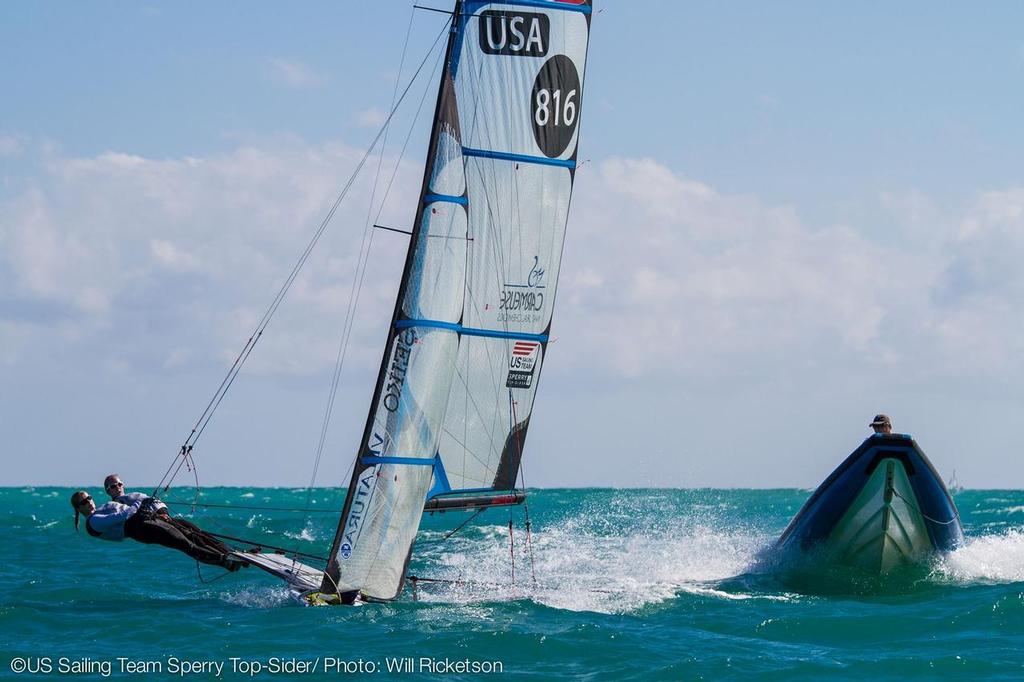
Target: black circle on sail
[555, 105]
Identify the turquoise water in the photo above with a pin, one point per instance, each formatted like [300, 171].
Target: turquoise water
[630, 584]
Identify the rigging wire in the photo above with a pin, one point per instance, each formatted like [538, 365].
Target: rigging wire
[393, 229]
[912, 505]
[186, 460]
[462, 525]
[225, 385]
[204, 581]
[473, 583]
[182, 503]
[434, 9]
[512, 548]
[264, 545]
[415, 580]
[526, 503]
[448, 581]
[529, 546]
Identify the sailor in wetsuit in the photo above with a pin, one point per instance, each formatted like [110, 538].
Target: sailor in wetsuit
[116, 521]
[153, 509]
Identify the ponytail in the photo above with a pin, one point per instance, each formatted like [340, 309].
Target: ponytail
[77, 499]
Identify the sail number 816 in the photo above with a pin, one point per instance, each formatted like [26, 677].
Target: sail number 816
[555, 105]
[550, 102]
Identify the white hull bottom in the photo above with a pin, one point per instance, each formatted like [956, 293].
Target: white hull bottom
[299, 576]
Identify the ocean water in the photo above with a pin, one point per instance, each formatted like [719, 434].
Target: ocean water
[622, 584]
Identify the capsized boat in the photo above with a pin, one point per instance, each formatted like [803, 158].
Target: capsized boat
[884, 507]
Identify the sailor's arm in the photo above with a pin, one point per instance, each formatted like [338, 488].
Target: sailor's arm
[151, 503]
[112, 515]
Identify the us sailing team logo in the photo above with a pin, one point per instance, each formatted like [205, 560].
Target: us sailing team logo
[522, 364]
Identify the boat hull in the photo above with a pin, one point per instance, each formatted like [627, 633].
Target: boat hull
[884, 507]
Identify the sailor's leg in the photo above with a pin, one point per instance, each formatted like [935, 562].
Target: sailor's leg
[197, 535]
[152, 530]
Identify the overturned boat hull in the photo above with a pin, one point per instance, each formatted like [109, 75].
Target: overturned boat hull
[884, 507]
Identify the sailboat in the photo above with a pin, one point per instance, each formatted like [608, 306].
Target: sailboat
[453, 398]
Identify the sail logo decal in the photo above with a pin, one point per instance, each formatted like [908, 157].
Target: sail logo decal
[516, 299]
[521, 364]
[536, 275]
[399, 366]
[357, 512]
[523, 302]
[515, 34]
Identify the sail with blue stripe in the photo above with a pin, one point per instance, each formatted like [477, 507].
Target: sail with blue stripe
[454, 396]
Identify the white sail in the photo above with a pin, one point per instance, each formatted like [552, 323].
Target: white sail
[455, 391]
[521, 66]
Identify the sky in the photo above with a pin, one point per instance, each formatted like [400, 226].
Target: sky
[786, 219]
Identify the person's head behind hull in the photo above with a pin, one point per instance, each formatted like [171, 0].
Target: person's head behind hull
[881, 424]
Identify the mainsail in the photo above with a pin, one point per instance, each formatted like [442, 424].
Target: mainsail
[453, 399]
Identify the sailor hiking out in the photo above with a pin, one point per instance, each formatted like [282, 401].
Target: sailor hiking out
[136, 518]
[153, 506]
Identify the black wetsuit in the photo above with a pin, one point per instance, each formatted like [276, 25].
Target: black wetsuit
[184, 536]
[157, 526]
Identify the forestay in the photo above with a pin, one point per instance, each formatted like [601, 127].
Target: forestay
[465, 349]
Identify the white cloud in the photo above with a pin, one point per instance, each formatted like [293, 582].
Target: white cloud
[671, 290]
[138, 256]
[295, 74]
[173, 257]
[371, 118]
[665, 275]
[10, 145]
[14, 337]
[979, 294]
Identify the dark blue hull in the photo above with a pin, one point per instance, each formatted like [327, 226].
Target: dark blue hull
[883, 506]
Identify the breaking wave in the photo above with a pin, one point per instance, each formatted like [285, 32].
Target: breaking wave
[995, 558]
[607, 563]
[634, 555]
